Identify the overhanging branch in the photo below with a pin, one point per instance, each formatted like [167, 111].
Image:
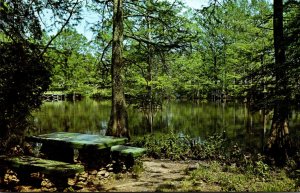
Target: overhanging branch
[61, 29]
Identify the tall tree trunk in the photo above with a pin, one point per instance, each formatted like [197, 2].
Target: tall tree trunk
[118, 123]
[149, 77]
[215, 77]
[149, 67]
[278, 142]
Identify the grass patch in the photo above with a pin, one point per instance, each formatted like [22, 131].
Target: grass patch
[137, 168]
[166, 187]
[217, 177]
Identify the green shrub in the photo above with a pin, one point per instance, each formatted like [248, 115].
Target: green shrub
[169, 146]
[212, 148]
[174, 147]
[25, 75]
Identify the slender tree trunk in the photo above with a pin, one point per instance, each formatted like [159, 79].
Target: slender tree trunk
[149, 77]
[224, 84]
[278, 142]
[215, 77]
[118, 123]
[149, 67]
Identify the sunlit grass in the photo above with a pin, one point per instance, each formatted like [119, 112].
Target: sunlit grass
[213, 177]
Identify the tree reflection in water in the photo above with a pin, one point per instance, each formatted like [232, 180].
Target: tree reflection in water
[198, 120]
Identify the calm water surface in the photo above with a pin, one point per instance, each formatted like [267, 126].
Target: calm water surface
[197, 120]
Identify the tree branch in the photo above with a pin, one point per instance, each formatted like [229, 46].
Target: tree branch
[61, 29]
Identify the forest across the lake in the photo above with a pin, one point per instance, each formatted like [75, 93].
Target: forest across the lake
[146, 57]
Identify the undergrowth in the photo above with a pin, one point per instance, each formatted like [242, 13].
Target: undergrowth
[219, 177]
[174, 147]
[230, 167]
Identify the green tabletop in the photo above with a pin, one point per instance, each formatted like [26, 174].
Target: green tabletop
[78, 140]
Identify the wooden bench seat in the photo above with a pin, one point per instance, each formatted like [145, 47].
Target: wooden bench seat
[128, 154]
[57, 171]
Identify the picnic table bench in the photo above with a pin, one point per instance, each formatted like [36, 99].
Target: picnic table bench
[58, 172]
[127, 154]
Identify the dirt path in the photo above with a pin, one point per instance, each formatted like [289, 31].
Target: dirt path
[157, 175]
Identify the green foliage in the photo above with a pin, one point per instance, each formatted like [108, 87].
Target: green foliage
[21, 12]
[24, 77]
[217, 177]
[211, 148]
[217, 147]
[24, 68]
[151, 30]
[292, 31]
[274, 86]
[264, 91]
[74, 68]
[169, 52]
[235, 170]
[174, 147]
[256, 167]
[101, 94]
[232, 41]
[163, 146]
[189, 76]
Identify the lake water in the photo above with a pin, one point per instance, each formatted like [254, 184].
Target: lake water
[198, 120]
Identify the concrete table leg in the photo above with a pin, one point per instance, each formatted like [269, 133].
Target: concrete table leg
[58, 152]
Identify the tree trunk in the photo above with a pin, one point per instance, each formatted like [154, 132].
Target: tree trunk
[149, 78]
[278, 142]
[118, 123]
[149, 67]
[215, 77]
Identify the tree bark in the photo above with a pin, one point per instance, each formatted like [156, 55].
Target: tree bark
[278, 142]
[118, 123]
[149, 77]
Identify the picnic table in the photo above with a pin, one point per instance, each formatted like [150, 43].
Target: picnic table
[93, 149]
[58, 149]
[58, 172]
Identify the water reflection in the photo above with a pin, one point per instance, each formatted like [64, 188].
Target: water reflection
[185, 118]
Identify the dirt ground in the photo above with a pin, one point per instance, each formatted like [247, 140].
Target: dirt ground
[156, 175]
